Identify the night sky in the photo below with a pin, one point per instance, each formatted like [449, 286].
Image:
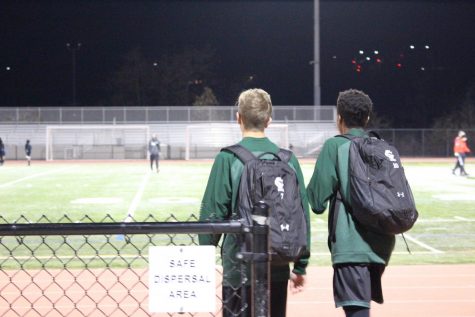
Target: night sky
[271, 40]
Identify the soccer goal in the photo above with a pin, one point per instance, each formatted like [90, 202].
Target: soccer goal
[205, 140]
[96, 142]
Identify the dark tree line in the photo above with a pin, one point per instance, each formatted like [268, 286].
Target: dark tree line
[184, 78]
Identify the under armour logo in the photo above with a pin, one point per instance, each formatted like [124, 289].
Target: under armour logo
[285, 227]
[400, 194]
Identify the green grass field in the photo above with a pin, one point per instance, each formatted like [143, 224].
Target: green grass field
[445, 232]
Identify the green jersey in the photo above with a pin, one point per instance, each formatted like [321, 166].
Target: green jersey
[349, 242]
[219, 203]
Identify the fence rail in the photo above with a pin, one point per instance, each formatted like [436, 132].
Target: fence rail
[64, 268]
[50, 229]
[153, 114]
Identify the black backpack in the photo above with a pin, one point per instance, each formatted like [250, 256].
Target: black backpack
[380, 197]
[274, 182]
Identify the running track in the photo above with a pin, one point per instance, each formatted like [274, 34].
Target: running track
[409, 291]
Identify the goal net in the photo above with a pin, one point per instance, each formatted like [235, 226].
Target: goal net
[205, 140]
[95, 142]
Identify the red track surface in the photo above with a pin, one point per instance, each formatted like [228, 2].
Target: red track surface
[409, 291]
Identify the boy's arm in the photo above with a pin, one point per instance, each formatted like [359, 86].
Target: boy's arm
[301, 265]
[216, 202]
[324, 180]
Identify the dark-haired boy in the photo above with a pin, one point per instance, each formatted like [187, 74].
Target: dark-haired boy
[219, 201]
[359, 257]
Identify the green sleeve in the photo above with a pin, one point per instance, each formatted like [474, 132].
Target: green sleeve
[301, 265]
[324, 180]
[216, 202]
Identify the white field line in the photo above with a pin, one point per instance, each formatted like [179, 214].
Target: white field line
[464, 219]
[428, 220]
[137, 198]
[433, 220]
[446, 220]
[422, 244]
[34, 176]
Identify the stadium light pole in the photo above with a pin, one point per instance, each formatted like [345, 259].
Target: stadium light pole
[316, 54]
[73, 48]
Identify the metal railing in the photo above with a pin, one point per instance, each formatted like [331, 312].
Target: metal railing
[94, 268]
[153, 114]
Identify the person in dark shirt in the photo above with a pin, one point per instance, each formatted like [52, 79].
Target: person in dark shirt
[154, 150]
[2, 152]
[28, 152]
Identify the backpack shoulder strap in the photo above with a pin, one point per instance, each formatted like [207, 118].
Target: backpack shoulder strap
[241, 152]
[351, 137]
[346, 136]
[373, 133]
[284, 155]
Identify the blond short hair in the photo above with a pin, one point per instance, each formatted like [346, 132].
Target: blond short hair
[255, 109]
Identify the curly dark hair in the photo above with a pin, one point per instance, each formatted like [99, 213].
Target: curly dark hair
[354, 106]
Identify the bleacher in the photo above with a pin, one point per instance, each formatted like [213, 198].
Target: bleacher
[194, 132]
[304, 138]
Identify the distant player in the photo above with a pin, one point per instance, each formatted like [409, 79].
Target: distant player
[2, 152]
[154, 149]
[460, 152]
[28, 151]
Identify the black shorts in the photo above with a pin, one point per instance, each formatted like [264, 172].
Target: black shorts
[357, 284]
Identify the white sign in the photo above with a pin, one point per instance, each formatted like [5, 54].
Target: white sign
[182, 279]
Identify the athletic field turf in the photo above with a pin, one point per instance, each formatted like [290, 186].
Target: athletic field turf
[444, 233]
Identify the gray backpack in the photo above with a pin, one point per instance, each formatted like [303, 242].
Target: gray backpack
[274, 182]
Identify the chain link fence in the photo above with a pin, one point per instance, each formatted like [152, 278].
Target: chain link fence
[87, 267]
[423, 142]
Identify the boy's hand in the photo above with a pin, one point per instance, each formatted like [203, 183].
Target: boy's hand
[297, 282]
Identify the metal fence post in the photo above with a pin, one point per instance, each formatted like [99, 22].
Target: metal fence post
[423, 142]
[447, 144]
[260, 276]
